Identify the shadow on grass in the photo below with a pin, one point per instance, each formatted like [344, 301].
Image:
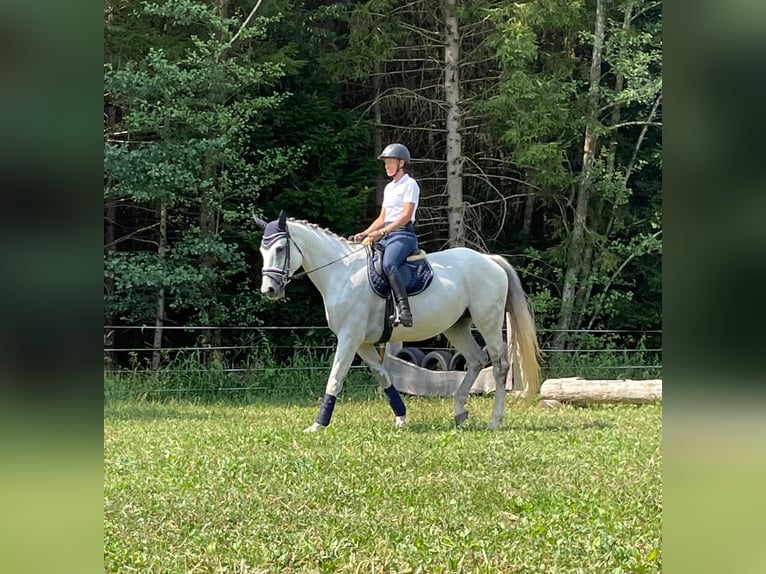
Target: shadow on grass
[556, 427]
[431, 428]
[147, 411]
[477, 425]
[148, 407]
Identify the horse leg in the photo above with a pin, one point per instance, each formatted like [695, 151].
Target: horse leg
[344, 354]
[460, 337]
[498, 352]
[370, 356]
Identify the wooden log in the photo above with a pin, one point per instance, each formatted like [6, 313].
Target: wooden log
[576, 390]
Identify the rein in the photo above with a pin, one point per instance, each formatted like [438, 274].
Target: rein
[304, 273]
[284, 273]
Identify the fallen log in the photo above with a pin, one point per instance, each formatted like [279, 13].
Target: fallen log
[576, 390]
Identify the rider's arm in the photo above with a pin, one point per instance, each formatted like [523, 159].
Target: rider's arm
[378, 223]
[400, 221]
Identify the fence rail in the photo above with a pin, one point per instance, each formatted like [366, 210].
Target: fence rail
[331, 347]
[325, 327]
[110, 347]
[260, 365]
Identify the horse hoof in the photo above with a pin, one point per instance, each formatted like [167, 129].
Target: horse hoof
[461, 418]
[313, 428]
[400, 422]
[494, 425]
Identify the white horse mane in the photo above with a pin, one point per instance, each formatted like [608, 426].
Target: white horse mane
[316, 227]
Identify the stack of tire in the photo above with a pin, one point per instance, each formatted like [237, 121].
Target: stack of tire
[436, 360]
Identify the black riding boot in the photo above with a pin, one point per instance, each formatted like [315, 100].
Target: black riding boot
[400, 298]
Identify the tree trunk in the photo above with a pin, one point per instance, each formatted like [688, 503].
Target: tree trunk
[110, 216]
[454, 152]
[584, 294]
[110, 224]
[378, 136]
[211, 337]
[577, 238]
[159, 318]
[529, 210]
[208, 229]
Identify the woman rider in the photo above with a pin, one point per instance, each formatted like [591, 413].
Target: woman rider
[394, 225]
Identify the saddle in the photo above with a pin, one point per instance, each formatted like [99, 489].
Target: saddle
[416, 273]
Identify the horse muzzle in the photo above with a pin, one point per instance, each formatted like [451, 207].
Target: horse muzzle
[273, 283]
[272, 291]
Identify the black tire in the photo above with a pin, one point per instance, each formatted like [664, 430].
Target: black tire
[411, 355]
[437, 361]
[457, 363]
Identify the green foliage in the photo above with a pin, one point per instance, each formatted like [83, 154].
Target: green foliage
[299, 363]
[539, 115]
[263, 371]
[535, 111]
[186, 113]
[369, 39]
[211, 131]
[608, 356]
[335, 167]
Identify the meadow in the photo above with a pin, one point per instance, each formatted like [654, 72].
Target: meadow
[236, 486]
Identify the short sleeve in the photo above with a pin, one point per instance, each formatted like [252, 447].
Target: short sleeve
[412, 193]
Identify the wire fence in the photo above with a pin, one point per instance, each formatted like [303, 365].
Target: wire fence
[291, 358]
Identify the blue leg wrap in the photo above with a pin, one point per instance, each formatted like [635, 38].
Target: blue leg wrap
[325, 411]
[397, 405]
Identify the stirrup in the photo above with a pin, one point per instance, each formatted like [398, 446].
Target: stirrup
[396, 319]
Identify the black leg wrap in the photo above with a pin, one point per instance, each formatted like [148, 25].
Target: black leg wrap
[397, 405]
[325, 411]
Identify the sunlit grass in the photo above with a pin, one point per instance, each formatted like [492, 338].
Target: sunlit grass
[225, 488]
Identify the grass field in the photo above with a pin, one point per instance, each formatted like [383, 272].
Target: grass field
[221, 487]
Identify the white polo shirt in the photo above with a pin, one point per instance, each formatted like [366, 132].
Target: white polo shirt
[396, 194]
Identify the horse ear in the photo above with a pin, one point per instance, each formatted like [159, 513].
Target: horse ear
[282, 223]
[259, 222]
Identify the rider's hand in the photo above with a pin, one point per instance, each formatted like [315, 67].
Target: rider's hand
[358, 238]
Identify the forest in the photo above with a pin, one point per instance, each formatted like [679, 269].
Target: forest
[535, 129]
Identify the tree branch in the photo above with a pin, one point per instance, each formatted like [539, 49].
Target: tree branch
[130, 236]
[245, 23]
[645, 9]
[436, 130]
[625, 124]
[614, 276]
[641, 138]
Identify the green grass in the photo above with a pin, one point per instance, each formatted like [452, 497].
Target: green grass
[220, 487]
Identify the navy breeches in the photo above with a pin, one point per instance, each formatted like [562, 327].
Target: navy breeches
[398, 246]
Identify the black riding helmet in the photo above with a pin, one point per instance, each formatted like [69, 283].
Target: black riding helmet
[397, 151]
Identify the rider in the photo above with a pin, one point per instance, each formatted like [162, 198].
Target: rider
[394, 225]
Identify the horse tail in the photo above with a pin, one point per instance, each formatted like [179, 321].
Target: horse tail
[522, 333]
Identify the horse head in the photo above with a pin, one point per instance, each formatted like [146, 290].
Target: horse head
[280, 259]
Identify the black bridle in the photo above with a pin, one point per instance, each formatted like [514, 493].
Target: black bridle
[282, 275]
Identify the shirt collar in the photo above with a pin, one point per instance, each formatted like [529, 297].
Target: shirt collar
[402, 179]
